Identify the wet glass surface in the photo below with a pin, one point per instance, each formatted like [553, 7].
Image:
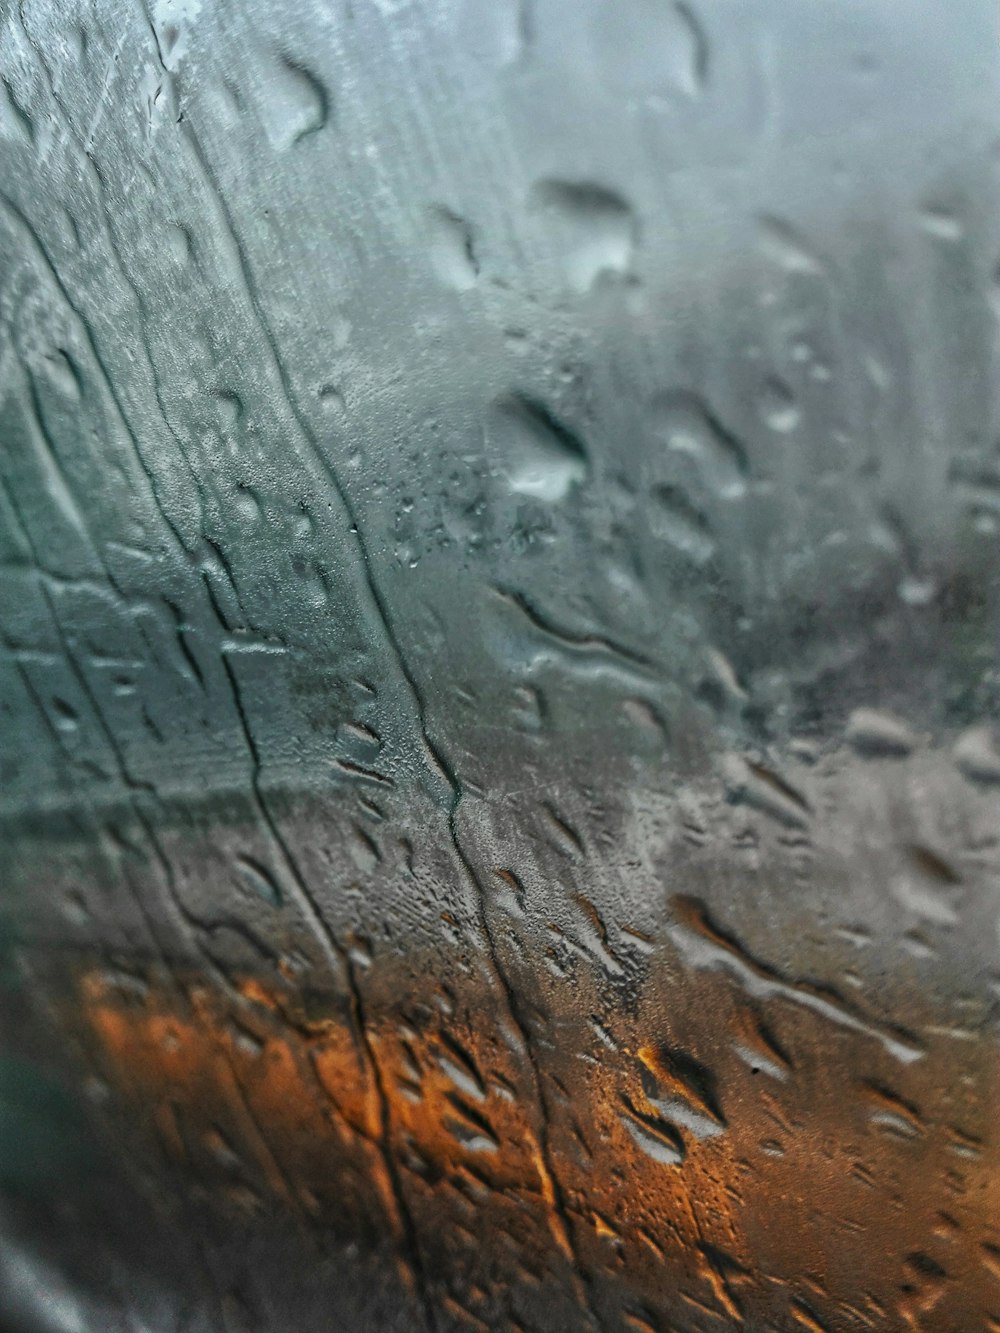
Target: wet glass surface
[498, 628]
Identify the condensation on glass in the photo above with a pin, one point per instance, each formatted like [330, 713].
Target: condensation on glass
[499, 508]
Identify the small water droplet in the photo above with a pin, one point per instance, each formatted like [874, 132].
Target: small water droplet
[783, 243]
[65, 374]
[259, 879]
[778, 407]
[67, 718]
[675, 519]
[180, 244]
[941, 223]
[976, 755]
[686, 425]
[657, 1138]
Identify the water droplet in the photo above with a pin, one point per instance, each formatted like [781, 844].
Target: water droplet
[297, 103]
[941, 223]
[682, 1089]
[461, 1068]
[331, 399]
[783, 243]
[927, 886]
[511, 895]
[363, 850]
[757, 1046]
[67, 718]
[592, 229]
[76, 909]
[15, 122]
[675, 519]
[179, 244]
[452, 252]
[559, 833]
[759, 786]
[657, 1138]
[685, 424]
[876, 734]
[65, 374]
[230, 406]
[976, 755]
[539, 456]
[891, 1113]
[470, 1127]
[259, 879]
[651, 48]
[778, 407]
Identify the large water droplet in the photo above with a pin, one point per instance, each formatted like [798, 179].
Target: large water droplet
[539, 456]
[297, 102]
[591, 227]
[452, 253]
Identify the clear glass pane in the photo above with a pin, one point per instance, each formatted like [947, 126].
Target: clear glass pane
[499, 506]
